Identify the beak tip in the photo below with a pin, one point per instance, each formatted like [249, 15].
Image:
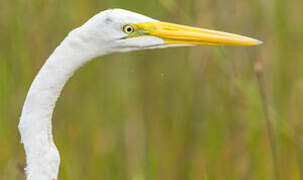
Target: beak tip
[256, 42]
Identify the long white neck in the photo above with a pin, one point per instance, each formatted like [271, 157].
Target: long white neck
[35, 124]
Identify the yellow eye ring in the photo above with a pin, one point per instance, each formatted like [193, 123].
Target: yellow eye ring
[128, 28]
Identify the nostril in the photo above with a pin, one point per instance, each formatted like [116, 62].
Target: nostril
[171, 29]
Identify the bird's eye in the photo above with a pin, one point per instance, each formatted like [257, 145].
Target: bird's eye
[128, 29]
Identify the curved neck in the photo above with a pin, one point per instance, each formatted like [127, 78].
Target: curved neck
[35, 124]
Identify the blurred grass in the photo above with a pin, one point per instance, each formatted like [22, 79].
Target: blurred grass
[186, 113]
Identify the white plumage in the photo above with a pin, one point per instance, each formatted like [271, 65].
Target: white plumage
[102, 34]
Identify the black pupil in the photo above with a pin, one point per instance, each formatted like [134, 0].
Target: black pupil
[129, 29]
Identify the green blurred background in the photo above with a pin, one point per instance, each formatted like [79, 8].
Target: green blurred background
[181, 113]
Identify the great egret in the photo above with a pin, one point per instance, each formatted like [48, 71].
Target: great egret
[113, 30]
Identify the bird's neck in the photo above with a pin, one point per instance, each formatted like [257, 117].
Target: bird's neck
[35, 124]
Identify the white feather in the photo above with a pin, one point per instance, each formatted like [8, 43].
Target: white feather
[99, 36]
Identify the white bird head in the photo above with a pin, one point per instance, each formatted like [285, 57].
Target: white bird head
[109, 31]
[118, 30]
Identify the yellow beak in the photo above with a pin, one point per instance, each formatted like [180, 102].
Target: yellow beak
[180, 34]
